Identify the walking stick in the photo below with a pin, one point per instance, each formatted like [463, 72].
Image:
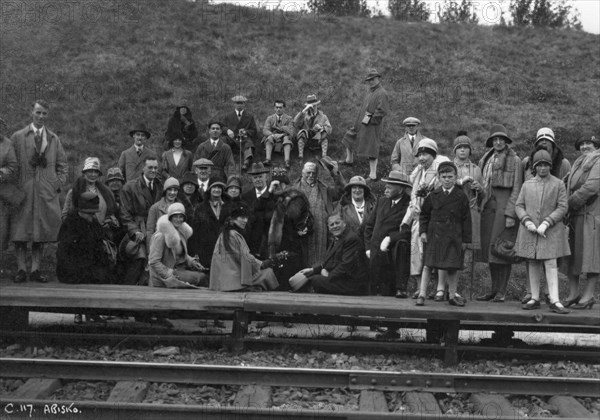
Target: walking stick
[472, 273]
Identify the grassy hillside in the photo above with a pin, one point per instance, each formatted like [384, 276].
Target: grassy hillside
[106, 69]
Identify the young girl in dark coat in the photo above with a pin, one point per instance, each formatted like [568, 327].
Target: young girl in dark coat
[444, 228]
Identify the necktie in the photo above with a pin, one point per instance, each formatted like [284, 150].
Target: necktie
[447, 192]
[151, 187]
[239, 115]
[278, 120]
[38, 140]
[139, 152]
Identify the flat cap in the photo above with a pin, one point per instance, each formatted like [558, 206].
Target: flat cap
[203, 162]
[411, 121]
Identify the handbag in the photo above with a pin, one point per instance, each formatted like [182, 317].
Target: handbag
[505, 248]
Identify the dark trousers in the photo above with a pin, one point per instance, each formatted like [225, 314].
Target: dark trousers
[322, 284]
[390, 271]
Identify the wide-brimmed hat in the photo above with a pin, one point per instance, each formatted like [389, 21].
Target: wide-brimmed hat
[189, 178]
[371, 74]
[175, 208]
[234, 181]
[544, 133]
[114, 173]
[540, 156]
[497, 130]
[398, 178]
[140, 128]
[297, 281]
[443, 166]
[327, 163]
[357, 181]
[170, 183]
[312, 99]
[280, 174]
[213, 182]
[239, 98]
[91, 164]
[258, 168]
[203, 162]
[427, 146]
[462, 140]
[89, 202]
[593, 139]
[411, 121]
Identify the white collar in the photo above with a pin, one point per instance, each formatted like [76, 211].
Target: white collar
[259, 193]
[148, 182]
[449, 191]
[35, 129]
[358, 207]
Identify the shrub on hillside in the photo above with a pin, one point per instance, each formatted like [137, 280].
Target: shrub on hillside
[409, 10]
[340, 7]
[544, 13]
[453, 12]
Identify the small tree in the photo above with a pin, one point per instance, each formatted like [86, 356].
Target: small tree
[340, 7]
[410, 10]
[452, 12]
[544, 13]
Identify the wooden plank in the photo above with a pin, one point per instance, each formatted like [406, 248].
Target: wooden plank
[493, 406]
[372, 402]
[570, 407]
[128, 392]
[422, 403]
[36, 389]
[255, 396]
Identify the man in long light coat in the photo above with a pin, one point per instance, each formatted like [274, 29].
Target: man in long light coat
[369, 124]
[42, 164]
[404, 155]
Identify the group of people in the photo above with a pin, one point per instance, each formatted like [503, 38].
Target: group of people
[186, 220]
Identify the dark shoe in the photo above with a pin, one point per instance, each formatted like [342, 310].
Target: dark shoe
[37, 277]
[267, 162]
[547, 299]
[287, 164]
[369, 179]
[21, 277]
[499, 298]
[532, 304]
[554, 307]
[344, 163]
[584, 305]
[440, 296]
[420, 301]
[401, 295]
[487, 297]
[457, 300]
[570, 302]
[526, 298]
[415, 295]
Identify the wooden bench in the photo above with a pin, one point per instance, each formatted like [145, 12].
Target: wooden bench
[440, 320]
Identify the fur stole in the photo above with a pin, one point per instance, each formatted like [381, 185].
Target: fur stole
[173, 237]
[300, 204]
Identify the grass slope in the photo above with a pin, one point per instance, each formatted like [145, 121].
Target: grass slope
[106, 69]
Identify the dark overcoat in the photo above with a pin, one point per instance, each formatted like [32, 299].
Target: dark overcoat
[257, 230]
[169, 168]
[39, 218]
[207, 228]
[446, 219]
[221, 157]
[385, 221]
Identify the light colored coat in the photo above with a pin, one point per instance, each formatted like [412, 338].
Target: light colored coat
[39, 218]
[132, 165]
[285, 127]
[542, 199]
[369, 136]
[235, 269]
[403, 156]
[167, 244]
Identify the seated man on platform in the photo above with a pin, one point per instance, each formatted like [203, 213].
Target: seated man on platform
[278, 131]
[313, 127]
[342, 270]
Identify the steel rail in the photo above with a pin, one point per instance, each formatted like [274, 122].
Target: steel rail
[299, 377]
[144, 411]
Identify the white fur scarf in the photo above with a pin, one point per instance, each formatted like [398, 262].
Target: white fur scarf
[173, 236]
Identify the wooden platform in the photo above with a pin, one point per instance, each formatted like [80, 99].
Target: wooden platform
[440, 319]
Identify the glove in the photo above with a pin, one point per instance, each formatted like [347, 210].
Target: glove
[541, 230]
[509, 222]
[530, 226]
[230, 133]
[385, 244]
[368, 254]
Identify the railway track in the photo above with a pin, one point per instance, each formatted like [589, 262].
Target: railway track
[420, 392]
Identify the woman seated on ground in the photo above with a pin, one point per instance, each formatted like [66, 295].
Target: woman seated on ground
[233, 267]
[170, 264]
